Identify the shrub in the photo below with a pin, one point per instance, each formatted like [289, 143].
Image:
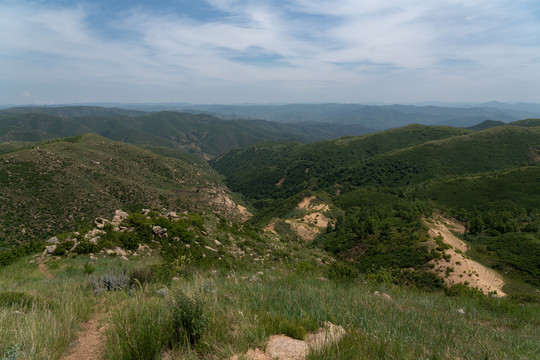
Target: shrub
[189, 319]
[109, 282]
[462, 290]
[88, 268]
[340, 270]
[143, 275]
[86, 247]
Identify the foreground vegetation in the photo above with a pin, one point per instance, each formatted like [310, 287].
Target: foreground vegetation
[216, 314]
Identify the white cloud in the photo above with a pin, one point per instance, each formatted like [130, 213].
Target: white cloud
[345, 50]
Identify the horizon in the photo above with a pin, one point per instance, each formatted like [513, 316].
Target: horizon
[295, 51]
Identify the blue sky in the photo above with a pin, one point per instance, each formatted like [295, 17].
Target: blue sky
[239, 51]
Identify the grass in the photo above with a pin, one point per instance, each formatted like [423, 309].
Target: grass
[243, 311]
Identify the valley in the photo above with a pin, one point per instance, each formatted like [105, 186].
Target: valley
[224, 235]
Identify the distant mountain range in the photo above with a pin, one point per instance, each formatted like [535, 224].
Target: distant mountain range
[200, 134]
[377, 117]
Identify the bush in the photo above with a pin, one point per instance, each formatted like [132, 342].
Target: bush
[462, 290]
[340, 270]
[189, 319]
[109, 282]
[143, 275]
[88, 268]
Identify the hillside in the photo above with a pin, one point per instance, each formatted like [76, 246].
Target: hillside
[398, 157]
[374, 193]
[56, 186]
[210, 288]
[203, 135]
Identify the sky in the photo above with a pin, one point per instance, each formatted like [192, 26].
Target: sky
[287, 51]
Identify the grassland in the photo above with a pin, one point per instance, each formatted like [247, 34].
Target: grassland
[241, 309]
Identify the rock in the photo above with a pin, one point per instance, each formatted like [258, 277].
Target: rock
[171, 215]
[211, 249]
[145, 211]
[101, 222]
[176, 278]
[120, 252]
[159, 231]
[95, 239]
[213, 272]
[54, 240]
[124, 258]
[50, 249]
[461, 311]
[188, 246]
[286, 348]
[254, 278]
[118, 217]
[217, 242]
[109, 252]
[387, 297]
[322, 278]
[74, 245]
[162, 292]
[376, 293]
[93, 233]
[329, 333]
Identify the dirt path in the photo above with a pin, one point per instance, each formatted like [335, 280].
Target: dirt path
[459, 269]
[43, 269]
[90, 343]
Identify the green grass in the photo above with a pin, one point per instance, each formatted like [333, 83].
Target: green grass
[243, 313]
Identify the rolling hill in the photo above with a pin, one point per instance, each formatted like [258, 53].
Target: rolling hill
[58, 185]
[202, 134]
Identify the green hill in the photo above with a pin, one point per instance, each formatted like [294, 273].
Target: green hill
[55, 186]
[398, 157]
[200, 134]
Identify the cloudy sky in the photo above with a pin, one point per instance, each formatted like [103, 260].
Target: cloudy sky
[240, 51]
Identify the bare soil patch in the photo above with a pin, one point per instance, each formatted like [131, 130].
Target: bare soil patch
[459, 269]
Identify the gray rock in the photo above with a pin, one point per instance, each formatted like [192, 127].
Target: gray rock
[50, 249]
[54, 240]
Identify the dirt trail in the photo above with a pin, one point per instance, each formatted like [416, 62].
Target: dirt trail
[43, 269]
[459, 269]
[90, 343]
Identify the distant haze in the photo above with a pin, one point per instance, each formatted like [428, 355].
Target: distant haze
[287, 51]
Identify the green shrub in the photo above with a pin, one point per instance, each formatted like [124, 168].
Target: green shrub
[462, 290]
[88, 268]
[189, 319]
[86, 247]
[62, 248]
[340, 270]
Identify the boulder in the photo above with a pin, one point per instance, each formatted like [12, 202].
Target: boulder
[119, 216]
[171, 215]
[94, 240]
[120, 252]
[50, 249]
[93, 233]
[54, 240]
